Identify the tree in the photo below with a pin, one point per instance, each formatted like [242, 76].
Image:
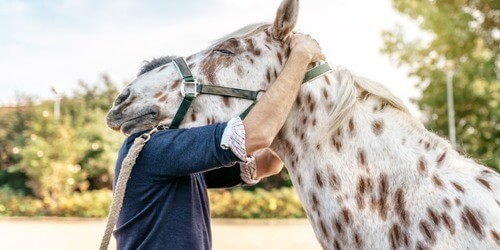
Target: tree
[59, 157]
[462, 36]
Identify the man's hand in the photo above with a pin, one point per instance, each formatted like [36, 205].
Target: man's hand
[306, 46]
[268, 163]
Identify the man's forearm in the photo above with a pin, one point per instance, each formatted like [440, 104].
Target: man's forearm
[269, 114]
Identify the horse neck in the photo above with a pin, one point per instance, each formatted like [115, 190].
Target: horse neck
[375, 143]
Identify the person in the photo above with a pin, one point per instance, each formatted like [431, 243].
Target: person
[166, 204]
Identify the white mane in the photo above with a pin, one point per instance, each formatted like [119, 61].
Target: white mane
[347, 94]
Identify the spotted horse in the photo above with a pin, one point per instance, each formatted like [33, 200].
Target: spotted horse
[369, 175]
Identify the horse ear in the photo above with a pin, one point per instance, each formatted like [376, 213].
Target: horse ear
[286, 18]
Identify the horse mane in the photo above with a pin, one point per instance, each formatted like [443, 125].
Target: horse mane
[346, 96]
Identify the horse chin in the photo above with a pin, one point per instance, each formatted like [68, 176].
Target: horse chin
[137, 125]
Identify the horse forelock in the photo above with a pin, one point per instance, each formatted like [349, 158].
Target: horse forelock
[156, 62]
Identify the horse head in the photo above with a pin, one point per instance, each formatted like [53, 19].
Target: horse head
[249, 58]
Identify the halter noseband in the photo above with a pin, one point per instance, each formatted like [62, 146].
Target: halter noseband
[191, 88]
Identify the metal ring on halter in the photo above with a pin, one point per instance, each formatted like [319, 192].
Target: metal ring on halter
[190, 88]
[145, 137]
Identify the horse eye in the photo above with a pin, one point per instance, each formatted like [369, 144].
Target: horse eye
[225, 51]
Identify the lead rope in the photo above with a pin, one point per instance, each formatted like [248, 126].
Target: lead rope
[121, 185]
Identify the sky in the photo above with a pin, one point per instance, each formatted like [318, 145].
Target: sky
[60, 42]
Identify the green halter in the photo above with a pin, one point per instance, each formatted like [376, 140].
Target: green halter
[191, 88]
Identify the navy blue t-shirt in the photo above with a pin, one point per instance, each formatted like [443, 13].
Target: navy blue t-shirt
[166, 204]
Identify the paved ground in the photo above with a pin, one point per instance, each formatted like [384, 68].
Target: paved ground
[77, 234]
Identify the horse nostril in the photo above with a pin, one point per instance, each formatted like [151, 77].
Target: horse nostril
[122, 97]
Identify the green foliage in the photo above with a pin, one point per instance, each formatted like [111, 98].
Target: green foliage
[60, 157]
[94, 203]
[259, 204]
[462, 36]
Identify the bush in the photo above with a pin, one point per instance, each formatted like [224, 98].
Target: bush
[235, 203]
[259, 204]
[94, 203]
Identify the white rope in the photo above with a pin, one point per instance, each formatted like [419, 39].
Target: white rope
[121, 185]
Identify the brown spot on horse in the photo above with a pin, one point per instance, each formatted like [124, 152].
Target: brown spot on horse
[496, 236]
[383, 193]
[395, 236]
[358, 241]
[336, 143]
[226, 101]
[334, 180]
[280, 57]
[362, 157]
[440, 159]
[323, 229]
[437, 181]
[378, 127]
[399, 206]
[346, 213]
[163, 98]
[448, 222]
[458, 187]
[175, 84]
[314, 201]
[327, 80]
[319, 179]
[338, 226]
[433, 216]
[351, 126]
[422, 166]
[471, 222]
[447, 203]
[484, 182]
[427, 232]
[325, 94]
[312, 107]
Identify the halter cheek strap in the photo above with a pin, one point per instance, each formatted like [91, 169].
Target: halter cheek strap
[191, 88]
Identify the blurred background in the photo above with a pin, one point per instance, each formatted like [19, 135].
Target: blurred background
[63, 62]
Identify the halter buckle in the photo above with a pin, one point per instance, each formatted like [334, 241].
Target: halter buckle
[190, 88]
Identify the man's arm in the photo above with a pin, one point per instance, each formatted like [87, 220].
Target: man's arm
[269, 114]
[257, 131]
[185, 151]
